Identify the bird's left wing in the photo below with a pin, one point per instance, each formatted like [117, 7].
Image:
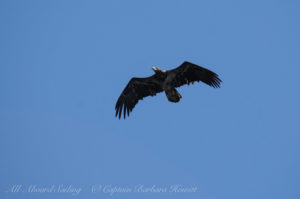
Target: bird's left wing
[189, 73]
[136, 89]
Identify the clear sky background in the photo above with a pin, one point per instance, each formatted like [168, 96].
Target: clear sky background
[63, 64]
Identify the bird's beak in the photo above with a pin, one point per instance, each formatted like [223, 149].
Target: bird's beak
[154, 68]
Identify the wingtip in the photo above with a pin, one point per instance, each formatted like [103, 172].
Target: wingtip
[216, 81]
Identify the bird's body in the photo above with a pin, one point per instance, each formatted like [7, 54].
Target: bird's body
[163, 80]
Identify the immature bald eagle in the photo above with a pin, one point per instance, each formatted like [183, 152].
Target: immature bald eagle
[163, 80]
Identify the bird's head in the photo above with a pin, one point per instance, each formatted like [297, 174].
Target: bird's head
[157, 70]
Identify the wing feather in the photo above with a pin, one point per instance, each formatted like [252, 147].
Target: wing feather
[136, 89]
[188, 73]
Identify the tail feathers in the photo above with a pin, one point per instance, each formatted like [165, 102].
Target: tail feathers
[173, 95]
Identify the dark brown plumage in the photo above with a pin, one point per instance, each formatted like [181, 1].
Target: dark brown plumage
[163, 80]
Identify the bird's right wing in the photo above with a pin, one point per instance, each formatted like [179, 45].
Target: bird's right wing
[136, 89]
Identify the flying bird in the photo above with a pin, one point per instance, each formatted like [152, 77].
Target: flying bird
[163, 80]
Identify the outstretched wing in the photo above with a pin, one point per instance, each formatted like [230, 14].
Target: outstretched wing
[136, 89]
[188, 73]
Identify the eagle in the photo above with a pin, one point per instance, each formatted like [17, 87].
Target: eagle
[163, 80]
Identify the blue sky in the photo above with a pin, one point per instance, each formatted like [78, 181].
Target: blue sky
[65, 63]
